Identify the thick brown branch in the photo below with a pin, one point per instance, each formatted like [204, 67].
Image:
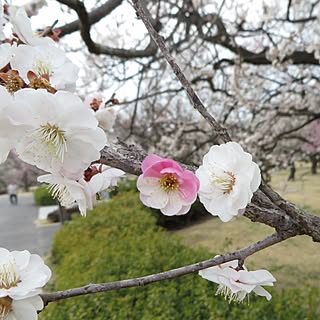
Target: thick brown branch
[94, 16]
[267, 206]
[84, 24]
[241, 254]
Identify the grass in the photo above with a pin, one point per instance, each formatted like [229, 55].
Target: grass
[304, 191]
[293, 262]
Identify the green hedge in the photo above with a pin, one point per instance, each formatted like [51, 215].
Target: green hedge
[196, 213]
[42, 197]
[119, 240]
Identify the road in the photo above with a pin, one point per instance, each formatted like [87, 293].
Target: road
[17, 228]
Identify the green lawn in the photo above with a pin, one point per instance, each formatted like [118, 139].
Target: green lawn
[293, 262]
[304, 191]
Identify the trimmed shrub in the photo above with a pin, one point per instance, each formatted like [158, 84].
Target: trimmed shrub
[42, 197]
[120, 240]
[196, 213]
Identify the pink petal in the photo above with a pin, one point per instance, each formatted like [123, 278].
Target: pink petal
[189, 186]
[171, 170]
[155, 170]
[149, 161]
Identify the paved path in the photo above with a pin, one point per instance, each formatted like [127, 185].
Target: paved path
[17, 228]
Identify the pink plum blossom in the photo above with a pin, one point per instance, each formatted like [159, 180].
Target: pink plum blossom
[166, 186]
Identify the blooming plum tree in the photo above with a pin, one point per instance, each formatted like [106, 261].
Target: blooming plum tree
[69, 137]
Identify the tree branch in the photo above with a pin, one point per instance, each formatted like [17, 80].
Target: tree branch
[84, 24]
[94, 16]
[267, 206]
[241, 254]
[222, 135]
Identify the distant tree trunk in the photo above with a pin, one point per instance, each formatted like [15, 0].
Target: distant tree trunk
[292, 174]
[62, 213]
[313, 160]
[25, 180]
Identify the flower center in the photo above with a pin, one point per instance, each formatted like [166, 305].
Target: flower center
[41, 83]
[5, 306]
[224, 181]
[169, 182]
[54, 138]
[12, 81]
[8, 276]
[41, 67]
[229, 295]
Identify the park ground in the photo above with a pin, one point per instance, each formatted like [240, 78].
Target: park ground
[294, 262]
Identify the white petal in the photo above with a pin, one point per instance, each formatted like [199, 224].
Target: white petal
[158, 199]
[25, 309]
[174, 204]
[262, 292]
[261, 277]
[147, 185]
[183, 210]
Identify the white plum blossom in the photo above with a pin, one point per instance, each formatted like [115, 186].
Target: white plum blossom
[25, 309]
[94, 100]
[70, 192]
[82, 192]
[106, 118]
[235, 284]
[46, 60]
[58, 133]
[228, 177]
[21, 26]
[9, 136]
[22, 275]
[105, 178]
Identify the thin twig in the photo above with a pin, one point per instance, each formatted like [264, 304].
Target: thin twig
[222, 135]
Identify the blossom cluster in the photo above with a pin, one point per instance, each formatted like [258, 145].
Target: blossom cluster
[225, 182]
[40, 116]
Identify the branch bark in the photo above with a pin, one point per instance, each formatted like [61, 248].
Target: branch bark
[241, 255]
[267, 206]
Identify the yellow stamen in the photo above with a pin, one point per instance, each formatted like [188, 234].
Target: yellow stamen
[54, 138]
[225, 182]
[42, 68]
[9, 277]
[169, 182]
[5, 306]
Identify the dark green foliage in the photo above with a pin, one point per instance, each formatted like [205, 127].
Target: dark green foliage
[42, 197]
[119, 240]
[196, 213]
[124, 186]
